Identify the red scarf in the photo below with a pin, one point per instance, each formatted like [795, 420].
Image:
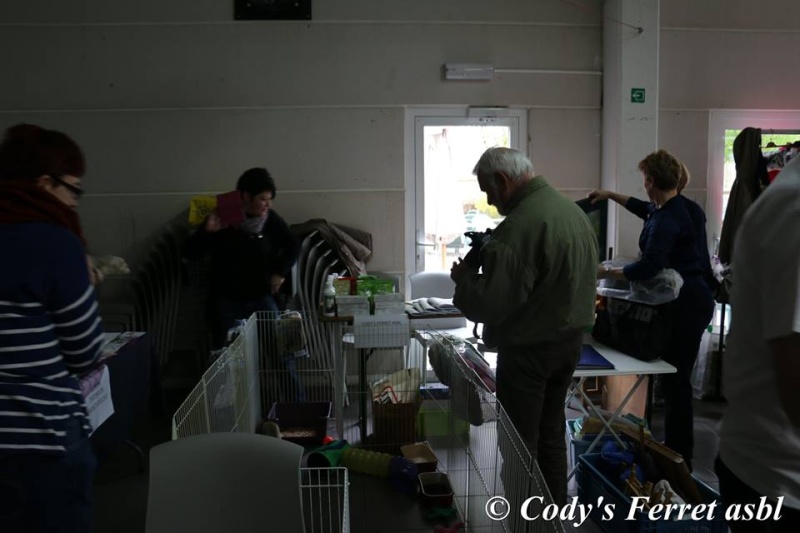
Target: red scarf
[24, 201]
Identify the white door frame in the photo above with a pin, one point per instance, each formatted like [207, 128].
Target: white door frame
[720, 120]
[417, 117]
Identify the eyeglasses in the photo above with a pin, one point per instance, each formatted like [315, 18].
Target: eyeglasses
[76, 191]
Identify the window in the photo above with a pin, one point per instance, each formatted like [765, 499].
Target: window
[723, 128]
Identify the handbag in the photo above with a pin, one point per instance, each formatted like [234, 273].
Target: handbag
[633, 328]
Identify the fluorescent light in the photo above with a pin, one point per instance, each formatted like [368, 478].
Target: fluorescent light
[468, 71]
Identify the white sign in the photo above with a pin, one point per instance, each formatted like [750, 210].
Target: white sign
[97, 394]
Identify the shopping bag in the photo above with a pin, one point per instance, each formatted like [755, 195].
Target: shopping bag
[636, 329]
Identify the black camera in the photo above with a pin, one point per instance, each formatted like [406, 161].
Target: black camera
[477, 239]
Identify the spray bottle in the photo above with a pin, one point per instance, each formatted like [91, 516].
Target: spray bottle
[329, 298]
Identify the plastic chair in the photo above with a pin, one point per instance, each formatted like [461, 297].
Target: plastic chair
[240, 482]
[431, 284]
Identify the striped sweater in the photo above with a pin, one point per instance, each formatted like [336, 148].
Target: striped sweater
[50, 333]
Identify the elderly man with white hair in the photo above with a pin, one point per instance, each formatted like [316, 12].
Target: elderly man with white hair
[535, 295]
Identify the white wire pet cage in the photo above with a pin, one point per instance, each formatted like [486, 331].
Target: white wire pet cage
[261, 369]
[278, 361]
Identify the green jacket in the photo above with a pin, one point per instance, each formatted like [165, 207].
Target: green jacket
[539, 271]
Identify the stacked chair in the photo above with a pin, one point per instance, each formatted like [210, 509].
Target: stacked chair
[148, 299]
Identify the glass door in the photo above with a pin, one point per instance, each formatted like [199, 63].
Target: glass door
[448, 201]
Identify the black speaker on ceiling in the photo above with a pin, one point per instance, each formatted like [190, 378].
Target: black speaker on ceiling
[272, 9]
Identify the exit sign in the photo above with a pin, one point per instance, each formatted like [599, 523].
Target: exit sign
[637, 96]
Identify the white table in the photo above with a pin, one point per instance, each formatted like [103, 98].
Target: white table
[624, 365]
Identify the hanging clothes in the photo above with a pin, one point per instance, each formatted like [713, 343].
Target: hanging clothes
[751, 178]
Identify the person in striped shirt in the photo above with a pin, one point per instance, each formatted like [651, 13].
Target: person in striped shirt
[50, 334]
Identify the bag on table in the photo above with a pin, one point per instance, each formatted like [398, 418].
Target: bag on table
[636, 329]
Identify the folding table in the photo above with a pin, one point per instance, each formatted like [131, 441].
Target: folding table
[624, 365]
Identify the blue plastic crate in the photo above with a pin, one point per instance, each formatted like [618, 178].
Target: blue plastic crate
[580, 446]
[592, 484]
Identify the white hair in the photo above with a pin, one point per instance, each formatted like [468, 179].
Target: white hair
[510, 162]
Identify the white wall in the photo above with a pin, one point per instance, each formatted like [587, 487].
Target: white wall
[174, 98]
[170, 98]
[719, 54]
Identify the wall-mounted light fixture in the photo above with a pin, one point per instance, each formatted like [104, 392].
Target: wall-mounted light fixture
[468, 71]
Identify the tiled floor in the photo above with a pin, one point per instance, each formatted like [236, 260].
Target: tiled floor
[121, 491]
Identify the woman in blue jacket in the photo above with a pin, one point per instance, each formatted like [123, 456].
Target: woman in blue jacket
[50, 333]
[669, 239]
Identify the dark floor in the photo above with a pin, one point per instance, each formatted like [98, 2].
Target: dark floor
[121, 490]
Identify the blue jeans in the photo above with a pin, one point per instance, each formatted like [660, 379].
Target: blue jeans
[49, 493]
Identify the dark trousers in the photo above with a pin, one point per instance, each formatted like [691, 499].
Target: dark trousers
[532, 384]
[735, 491]
[691, 315]
[49, 493]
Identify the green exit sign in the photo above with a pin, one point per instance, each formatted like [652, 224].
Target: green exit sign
[637, 96]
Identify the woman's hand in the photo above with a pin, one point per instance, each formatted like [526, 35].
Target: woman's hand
[213, 223]
[609, 272]
[95, 276]
[598, 195]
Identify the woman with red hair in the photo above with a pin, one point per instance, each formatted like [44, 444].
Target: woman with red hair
[50, 333]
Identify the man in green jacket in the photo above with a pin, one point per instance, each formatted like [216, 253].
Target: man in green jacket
[535, 295]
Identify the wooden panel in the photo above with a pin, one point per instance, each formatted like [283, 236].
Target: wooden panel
[162, 66]
[552, 11]
[770, 15]
[565, 146]
[193, 151]
[710, 70]
[685, 134]
[126, 225]
[617, 387]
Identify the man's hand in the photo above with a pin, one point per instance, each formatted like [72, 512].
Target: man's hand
[461, 269]
[275, 283]
[213, 222]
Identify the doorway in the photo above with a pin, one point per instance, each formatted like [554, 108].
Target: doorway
[446, 201]
[778, 127]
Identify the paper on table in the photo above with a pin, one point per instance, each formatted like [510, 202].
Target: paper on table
[96, 389]
[113, 342]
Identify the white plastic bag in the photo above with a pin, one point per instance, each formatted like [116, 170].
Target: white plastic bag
[661, 288]
[701, 373]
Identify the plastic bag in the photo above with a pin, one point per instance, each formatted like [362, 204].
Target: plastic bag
[660, 289]
[399, 387]
[702, 385]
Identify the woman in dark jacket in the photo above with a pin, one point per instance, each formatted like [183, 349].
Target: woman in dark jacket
[669, 240]
[50, 333]
[249, 261]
